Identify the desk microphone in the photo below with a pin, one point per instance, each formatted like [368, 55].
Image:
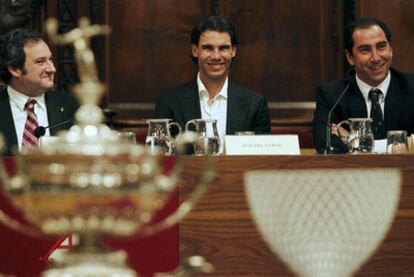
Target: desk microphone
[40, 131]
[329, 149]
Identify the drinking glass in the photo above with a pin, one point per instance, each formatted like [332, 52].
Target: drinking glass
[127, 136]
[397, 142]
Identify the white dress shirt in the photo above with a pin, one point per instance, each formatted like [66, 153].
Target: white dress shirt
[365, 89]
[17, 103]
[217, 110]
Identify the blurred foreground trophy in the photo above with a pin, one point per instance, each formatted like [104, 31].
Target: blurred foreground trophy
[92, 184]
[323, 223]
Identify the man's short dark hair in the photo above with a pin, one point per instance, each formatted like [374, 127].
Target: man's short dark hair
[213, 23]
[364, 23]
[12, 50]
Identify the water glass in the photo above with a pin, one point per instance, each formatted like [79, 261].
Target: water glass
[397, 142]
[127, 136]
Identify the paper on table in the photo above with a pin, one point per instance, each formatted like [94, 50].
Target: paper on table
[380, 146]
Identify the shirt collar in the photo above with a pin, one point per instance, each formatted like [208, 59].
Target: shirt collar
[19, 99]
[202, 91]
[365, 88]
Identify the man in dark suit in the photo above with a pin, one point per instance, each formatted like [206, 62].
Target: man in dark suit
[368, 50]
[27, 69]
[211, 94]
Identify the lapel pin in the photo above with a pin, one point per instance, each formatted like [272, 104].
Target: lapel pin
[61, 109]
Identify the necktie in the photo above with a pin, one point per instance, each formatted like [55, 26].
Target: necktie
[31, 124]
[378, 127]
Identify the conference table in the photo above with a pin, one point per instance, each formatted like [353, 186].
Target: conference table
[221, 229]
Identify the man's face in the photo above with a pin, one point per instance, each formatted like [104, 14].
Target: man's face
[38, 72]
[371, 55]
[214, 52]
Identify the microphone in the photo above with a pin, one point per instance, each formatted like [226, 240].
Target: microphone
[329, 149]
[40, 131]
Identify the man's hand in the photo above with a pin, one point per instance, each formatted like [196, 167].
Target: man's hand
[343, 131]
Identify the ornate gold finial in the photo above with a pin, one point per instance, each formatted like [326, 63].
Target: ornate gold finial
[89, 90]
[80, 39]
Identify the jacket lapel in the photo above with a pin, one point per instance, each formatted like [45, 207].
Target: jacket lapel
[236, 110]
[189, 102]
[393, 105]
[7, 123]
[55, 112]
[356, 103]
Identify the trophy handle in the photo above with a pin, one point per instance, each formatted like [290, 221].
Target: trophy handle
[15, 225]
[200, 189]
[15, 182]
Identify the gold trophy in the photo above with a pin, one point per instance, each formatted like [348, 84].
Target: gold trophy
[92, 184]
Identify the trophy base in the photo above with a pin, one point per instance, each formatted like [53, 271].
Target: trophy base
[89, 264]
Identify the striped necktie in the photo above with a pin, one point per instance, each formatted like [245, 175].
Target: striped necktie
[31, 124]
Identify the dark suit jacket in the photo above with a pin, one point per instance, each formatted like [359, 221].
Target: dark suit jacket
[398, 109]
[60, 107]
[246, 110]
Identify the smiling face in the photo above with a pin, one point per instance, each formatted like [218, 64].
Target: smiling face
[38, 71]
[214, 53]
[371, 55]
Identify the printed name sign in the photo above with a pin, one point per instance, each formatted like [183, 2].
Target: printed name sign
[262, 145]
[47, 140]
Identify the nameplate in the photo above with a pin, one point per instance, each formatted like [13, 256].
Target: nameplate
[45, 140]
[262, 145]
[380, 146]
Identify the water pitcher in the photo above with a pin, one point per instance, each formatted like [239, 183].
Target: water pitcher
[207, 131]
[159, 135]
[359, 138]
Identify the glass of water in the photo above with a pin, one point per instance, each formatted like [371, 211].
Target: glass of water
[397, 142]
[127, 136]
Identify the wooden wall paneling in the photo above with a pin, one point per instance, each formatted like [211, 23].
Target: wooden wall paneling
[286, 49]
[149, 50]
[68, 12]
[398, 14]
[20, 14]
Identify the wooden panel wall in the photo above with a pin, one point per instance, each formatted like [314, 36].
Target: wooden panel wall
[149, 50]
[287, 47]
[285, 50]
[398, 14]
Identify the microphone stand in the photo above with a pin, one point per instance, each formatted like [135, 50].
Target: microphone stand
[41, 130]
[329, 149]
